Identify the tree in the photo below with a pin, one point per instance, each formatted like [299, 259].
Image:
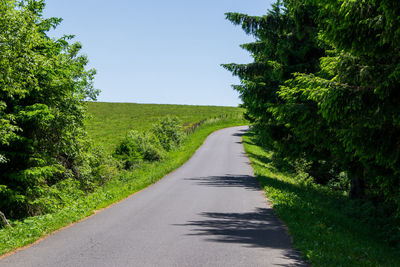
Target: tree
[282, 47]
[43, 84]
[359, 98]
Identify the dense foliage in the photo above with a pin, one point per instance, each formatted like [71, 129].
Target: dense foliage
[323, 92]
[43, 83]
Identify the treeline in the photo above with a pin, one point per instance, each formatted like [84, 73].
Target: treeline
[323, 93]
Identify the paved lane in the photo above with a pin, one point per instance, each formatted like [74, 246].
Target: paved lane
[210, 212]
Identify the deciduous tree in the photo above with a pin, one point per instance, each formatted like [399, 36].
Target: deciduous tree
[43, 83]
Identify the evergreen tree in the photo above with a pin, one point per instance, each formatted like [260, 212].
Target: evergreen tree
[357, 93]
[282, 47]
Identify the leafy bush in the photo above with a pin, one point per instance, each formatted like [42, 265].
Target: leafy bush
[169, 132]
[55, 197]
[95, 167]
[138, 147]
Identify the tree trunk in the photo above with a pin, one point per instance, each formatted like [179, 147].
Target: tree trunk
[357, 186]
[3, 220]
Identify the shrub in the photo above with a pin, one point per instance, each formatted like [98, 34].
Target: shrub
[169, 132]
[95, 167]
[137, 147]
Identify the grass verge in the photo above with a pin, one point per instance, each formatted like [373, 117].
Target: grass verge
[126, 183]
[319, 220]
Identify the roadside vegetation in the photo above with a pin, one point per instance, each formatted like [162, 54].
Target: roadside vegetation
[323, 94]
[326, 226]
[53, 173]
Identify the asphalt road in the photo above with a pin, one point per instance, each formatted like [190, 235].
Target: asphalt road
[210, 212]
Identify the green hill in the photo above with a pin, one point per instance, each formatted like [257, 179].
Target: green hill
[110, 121]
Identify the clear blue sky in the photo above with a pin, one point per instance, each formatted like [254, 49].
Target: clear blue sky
[156, 51]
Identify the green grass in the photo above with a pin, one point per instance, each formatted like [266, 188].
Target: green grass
[124, 184]
[111, 121]
[319, 220]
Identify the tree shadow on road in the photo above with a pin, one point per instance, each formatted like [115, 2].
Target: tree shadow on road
[240, 132]
[258, 229]
[243, 181]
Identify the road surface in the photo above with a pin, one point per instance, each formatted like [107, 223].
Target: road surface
[209, 212]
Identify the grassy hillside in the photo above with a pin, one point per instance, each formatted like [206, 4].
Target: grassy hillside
[111, 121]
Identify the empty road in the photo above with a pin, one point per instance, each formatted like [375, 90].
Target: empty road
[209, 212]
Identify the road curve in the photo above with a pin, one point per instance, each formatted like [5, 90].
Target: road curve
[209, 212]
